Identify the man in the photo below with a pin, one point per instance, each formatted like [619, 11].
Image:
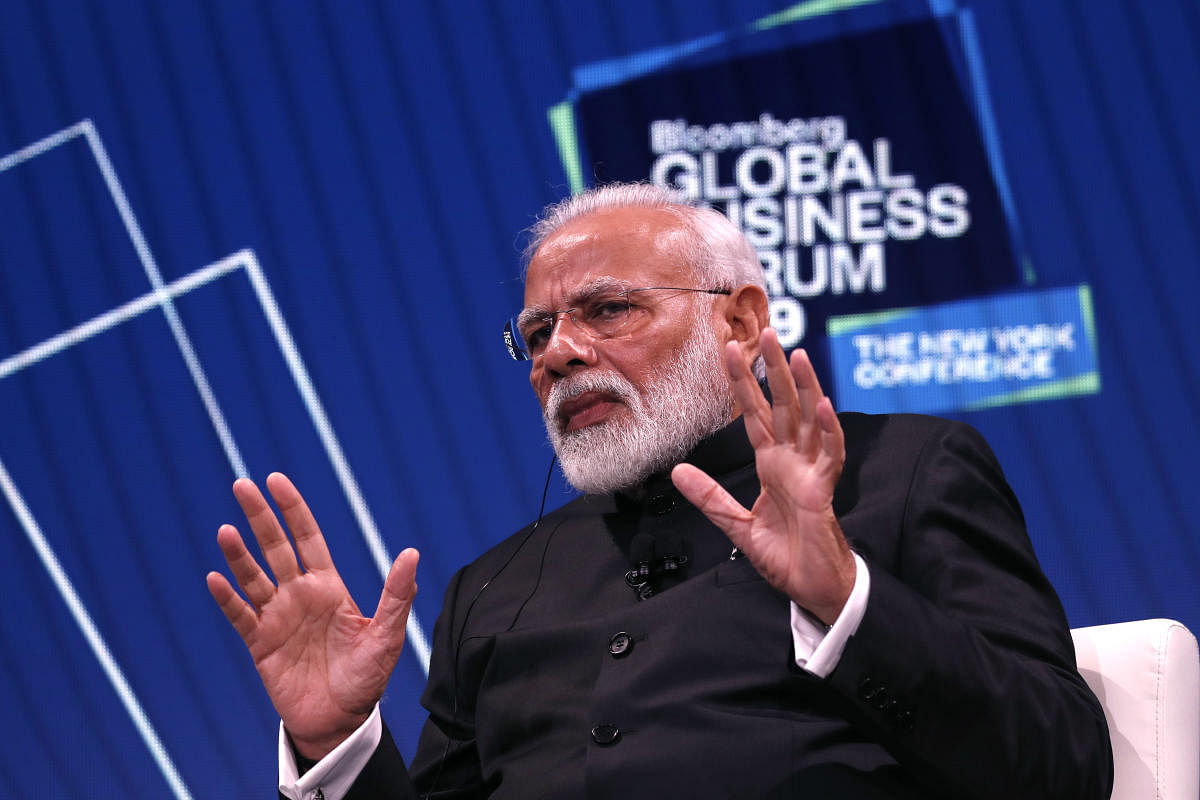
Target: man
[753, 598]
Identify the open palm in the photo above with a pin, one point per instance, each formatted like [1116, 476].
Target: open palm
[323, 663]
[791, 534]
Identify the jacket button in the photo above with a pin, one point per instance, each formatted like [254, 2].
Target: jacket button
[660, 504]
[620, 644]
[605, 734]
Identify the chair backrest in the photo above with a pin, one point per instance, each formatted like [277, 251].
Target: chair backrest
[1147, 676]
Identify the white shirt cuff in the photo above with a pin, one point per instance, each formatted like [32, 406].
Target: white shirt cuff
[334, 774]
[819, 649]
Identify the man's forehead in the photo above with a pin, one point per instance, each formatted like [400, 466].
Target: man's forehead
[586, 290]
[622, 248]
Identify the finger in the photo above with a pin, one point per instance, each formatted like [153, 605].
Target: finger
[755, 410]
[713, 501]
[804, 377]
[833, 438]
[808, 394]
[236, 610]
[246, 571]
[310, 543]
[399, 590]
[786, 413]
[276, 548]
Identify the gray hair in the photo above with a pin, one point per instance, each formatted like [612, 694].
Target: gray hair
[717, 252]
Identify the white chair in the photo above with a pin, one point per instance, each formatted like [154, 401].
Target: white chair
[1147, 676]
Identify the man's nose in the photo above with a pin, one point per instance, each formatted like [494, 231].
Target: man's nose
[569, 346]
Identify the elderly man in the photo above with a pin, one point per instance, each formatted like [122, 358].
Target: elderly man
[754, 597]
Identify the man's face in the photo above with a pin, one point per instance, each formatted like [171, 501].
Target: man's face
[618, 409]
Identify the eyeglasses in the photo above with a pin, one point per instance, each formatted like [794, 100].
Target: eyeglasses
[602, 316]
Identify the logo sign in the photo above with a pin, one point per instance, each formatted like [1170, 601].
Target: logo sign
[967, 355]
[856, 164]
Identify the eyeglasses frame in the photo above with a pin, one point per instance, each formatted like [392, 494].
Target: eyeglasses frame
[512, 332]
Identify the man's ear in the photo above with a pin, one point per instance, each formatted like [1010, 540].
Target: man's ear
[746, 314]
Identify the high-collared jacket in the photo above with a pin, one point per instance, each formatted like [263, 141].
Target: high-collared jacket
[550, 678]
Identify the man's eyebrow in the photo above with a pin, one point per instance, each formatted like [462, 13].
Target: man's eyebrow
[581, 294]
[531, 314]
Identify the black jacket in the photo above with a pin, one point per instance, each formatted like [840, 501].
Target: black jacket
[959, 683]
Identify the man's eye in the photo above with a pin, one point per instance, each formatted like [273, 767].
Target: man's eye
[608, 310]
[537, 335]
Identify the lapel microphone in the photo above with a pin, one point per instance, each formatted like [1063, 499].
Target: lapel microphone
[653, 559]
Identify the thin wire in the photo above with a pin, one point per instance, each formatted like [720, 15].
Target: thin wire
[471, 606]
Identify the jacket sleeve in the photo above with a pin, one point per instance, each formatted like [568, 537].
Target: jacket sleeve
[385, 776]
[963, 665]
[446, 764]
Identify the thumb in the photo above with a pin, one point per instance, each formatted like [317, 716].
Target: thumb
[713, 501]
[391, 615]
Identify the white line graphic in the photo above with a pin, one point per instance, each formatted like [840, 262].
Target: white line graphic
[245, 259]
[102, 322]
[42, 145]
[53, 567]
[86, 129]
[92, 634]
[168, 306]
[163, 296]
[366, 523]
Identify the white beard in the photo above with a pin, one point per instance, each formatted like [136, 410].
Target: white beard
[690, 400]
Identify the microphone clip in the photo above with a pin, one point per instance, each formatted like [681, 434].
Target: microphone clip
[652, 561]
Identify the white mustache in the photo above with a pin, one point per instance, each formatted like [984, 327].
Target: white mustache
[590, 381]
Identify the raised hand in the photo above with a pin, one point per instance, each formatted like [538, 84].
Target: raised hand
[323, 663]
[791, 535]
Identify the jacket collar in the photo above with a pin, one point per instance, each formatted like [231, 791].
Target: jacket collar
[723, 452]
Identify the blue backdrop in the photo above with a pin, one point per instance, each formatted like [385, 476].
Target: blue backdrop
[283, 235]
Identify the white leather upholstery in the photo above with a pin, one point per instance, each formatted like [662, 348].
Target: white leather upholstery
[1147, 676]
